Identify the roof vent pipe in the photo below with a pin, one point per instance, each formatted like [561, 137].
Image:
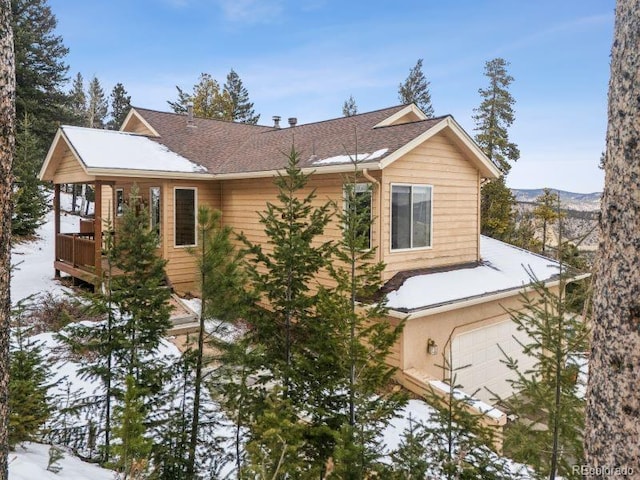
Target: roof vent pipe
[293, 121]
[190, 114]
[276, 121]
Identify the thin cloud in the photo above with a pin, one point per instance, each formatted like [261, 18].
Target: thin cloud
[251, 11]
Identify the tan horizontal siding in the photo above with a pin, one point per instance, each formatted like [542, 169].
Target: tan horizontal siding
[69, 170]
[455, 220]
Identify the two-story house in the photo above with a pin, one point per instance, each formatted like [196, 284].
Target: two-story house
[422, 179]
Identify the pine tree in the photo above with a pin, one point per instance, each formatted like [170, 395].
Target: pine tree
[78, 101]
[548, 394]
[7, 144]
[283, 271]
[493, 118]
[613, 403]
[415, 89]
[98, 106]
[497, 210]
[364, 338]
[29, 404]
[41, 72]
[222, 294]
[547, 211]
[410, 460]
[349, 107]
[242, 108]
[140, 296]
[495, 115]
[120, 106]
[208, 100]
[133, 450]
[29, 199]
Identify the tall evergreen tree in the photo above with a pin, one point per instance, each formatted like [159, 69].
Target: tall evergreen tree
[364, 339]
[493, 118]
[208, 100]
[78, 101]
[242, 108]
[283, 272]
[7, 144]
[41, 72]
[29, 199]
[415, 89]
[613, 403]
[495, 115]
[120, 106]
[140, 295]
[222, 295]
[97, 106]
[349, 107]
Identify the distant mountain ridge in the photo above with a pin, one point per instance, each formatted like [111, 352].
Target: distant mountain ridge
[569, 200]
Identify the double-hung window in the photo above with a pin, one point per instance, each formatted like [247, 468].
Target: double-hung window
[361, 195]
[410, 216]
[185, 201]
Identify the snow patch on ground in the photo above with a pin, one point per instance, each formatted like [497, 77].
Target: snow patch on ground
[32, 262]
[29, 462]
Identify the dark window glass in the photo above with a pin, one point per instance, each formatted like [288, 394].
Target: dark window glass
[185, 212]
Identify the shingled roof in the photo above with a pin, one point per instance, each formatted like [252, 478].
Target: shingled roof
[226, 147]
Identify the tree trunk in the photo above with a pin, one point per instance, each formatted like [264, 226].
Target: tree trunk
[613, 403]
[7, 126]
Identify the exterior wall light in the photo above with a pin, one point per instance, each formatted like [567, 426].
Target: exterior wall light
[432, 348]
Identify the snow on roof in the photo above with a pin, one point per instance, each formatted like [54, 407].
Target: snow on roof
[360, 157]
[122, 150]
[503, 267]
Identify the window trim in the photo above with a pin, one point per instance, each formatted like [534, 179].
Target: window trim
[410, 249]
[195, 217]
[369, 188]
[115, 206]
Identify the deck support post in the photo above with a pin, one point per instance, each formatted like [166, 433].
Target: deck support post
[56, 221]
[98, 231]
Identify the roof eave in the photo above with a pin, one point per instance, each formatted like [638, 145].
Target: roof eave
[133, 173]
[342, 168]
[477, 300]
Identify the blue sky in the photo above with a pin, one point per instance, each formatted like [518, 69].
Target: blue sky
[304, 58]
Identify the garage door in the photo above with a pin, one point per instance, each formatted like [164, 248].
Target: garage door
[477, 359]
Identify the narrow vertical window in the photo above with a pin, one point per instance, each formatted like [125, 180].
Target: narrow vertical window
[119, 206]
[185, 217]
[411, 209]
[154, 210]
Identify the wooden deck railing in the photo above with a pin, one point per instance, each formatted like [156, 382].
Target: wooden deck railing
[78, 249]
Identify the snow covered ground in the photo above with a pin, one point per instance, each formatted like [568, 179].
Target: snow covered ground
[29, 462]
[33, 274]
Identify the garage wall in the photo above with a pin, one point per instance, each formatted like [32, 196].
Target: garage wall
[466, 336]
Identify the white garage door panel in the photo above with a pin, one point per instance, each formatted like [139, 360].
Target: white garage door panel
[478, 360]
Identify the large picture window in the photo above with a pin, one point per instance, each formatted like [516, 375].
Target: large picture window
[362, 197]
[185, 217]
[410, 216]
